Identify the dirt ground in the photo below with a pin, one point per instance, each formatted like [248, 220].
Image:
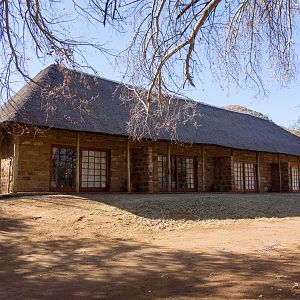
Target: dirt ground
[118, 246]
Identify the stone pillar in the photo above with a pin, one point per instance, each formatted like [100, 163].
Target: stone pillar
[15, 163]
[298, 164]
[203, 169]
[78, 163]
[275, 181]
[0, 163]
[285, 177]
[223, 174]
[258, 172]
[149, 178]
[128, 166]
[279, 172]
[169, 168]
[280, 177]
[143, 168]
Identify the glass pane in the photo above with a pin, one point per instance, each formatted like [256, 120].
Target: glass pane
[295, 179]
[238, 176]
[63, 167]
[103, 184]
[62, 151]
[53, 183]
[182, 173]
[250, 176]
[162, 172]
[95, 169]
[91, 184]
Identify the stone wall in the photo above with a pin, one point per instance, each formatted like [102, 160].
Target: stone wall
[35, 157]
[266, 173]
[285, 176]
[275, 177]
[33, 173]
[6, 168]
[118, 158]
[161, 148]
[193, 151]
[224, 174]
[210, 154]
[244, 156]
[142, 169]
[281, 175]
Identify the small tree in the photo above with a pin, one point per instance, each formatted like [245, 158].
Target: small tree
[295, 129]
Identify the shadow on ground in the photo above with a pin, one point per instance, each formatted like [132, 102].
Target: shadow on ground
[104, 268]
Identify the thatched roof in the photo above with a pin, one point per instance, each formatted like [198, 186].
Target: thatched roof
[245, 110]
[103, 112]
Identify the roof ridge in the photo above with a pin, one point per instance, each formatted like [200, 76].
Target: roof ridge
[84, 73]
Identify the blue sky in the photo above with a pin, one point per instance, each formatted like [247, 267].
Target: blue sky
[282, 105]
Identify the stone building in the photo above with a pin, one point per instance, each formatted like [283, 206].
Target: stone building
[54, 142]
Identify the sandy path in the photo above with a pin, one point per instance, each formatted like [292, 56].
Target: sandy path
[57, 251]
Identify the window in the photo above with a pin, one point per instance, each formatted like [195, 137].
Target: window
[63, 168]
[250, 177]
[182, 173]
[173, 173]
[295, 179]
[185, 170]
[245, 177]
[162, 172]
[239, 176]
[94, 169]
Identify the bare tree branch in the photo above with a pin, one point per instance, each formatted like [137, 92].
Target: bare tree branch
[174, 41]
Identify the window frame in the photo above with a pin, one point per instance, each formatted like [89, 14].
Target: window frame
[249, 177]
[238, 169]
[160, 180]
[177, 185]
[293, 179]
[107, 182]
[245, 177]
[61, 189]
